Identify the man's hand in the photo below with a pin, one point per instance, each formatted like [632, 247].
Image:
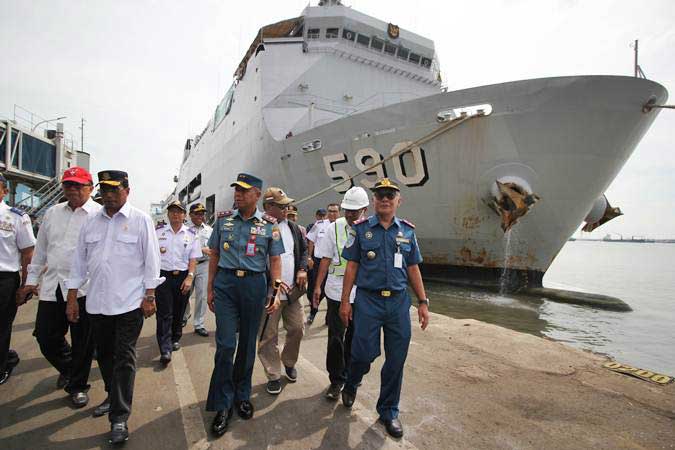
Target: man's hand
[423, 313]
[283, 287]
[316, 297]
[310, 263]
[23, 293]
[345, 312]
[72, 310]
[148, 306]
[276, 303]
[186, 285]
[301, 279]
[210, 297]
[206, 251]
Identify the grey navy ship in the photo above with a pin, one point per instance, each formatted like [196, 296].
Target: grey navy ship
[496, 178]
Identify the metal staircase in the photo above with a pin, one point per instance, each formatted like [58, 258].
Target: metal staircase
[48, 195]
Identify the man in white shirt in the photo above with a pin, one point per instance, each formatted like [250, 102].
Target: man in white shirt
[118, 253]
[16, 248]
[293, 274]
[314, 236]
[179, 249]
[53, 254]
[329, 249]
[203, 232]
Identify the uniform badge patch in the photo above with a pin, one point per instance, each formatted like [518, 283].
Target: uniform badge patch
[226, 246]
[368, 235]
[276, 235]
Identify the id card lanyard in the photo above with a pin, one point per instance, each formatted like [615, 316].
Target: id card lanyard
[398, 257]
[250, 246]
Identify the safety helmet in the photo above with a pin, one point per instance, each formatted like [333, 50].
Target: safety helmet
[355, 198]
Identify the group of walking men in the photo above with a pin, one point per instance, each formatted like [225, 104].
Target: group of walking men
[116, 269]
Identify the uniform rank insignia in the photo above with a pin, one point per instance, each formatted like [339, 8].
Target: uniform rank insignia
[18, 211]
[409, 223]
[361, 220]
[269, 218]
[226, 213]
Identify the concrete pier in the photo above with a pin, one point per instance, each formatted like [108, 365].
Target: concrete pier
[467, 385]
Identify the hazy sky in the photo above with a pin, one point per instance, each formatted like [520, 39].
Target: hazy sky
[146, 75]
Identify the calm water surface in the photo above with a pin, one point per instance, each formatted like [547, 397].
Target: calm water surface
[642, 275]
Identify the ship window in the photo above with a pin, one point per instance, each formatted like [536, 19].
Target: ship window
[194, 189]
[414, 58]
[426, 62]
[363, 40]
[210, 207]
[313, 33]
[377, 44]
[182, 194]
[224, 107]
[403, 53]
[389, 48]
[348, 34]
[332, 33]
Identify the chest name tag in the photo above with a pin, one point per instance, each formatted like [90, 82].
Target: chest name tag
[250, 248]
[398, 260]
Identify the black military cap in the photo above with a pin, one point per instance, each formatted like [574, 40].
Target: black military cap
[197, 207]
[383, 183]
[114, 178]
[176, 204]
[247, 181]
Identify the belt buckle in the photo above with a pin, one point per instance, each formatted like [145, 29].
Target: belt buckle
[175, 272]
[240, 273]
[385, 293]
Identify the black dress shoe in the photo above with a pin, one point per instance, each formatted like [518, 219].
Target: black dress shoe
[393, 426]
[348, 398]
[103, 408]
[62, 381]
[175, 346]
[244, 409]
[4, 376]
[291, 374]
[202, 332]
[119, 433]
[79, 399]
[165, 358]
[220, 422]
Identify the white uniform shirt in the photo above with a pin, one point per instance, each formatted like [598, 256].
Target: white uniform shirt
[177, 249]
[287, 258]
[119, 255]
[204, 234]
[327, 248]
[56, 242]
[16, 233]
[317, 232]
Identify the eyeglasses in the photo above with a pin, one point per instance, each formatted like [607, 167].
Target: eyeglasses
[72, 184]
[335, 211]
[389, 194]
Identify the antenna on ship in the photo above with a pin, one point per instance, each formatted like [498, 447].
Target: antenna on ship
[637, 69]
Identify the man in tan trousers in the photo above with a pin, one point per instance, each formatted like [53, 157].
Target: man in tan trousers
[293, 277]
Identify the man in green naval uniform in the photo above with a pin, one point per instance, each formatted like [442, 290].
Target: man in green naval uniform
[242, 241]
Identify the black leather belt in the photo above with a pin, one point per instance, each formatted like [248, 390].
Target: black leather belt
[4, 275]
[383, 293]
[240, 273]
[174, 273]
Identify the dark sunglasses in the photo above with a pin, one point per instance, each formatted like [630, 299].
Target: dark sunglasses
[388, 194]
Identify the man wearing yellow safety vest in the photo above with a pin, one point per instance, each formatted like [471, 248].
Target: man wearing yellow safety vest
[329, 249]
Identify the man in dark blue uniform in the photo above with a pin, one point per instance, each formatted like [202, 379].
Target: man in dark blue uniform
[242, 241]
[383, 258]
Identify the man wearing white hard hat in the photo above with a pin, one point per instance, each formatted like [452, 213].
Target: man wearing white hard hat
[329, 249]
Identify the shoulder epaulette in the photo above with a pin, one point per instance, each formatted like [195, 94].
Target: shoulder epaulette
[192, 230]
[409, 223]
[226, 213]
[361, 220]
[158, 226]
[18, 211]
[269, 218]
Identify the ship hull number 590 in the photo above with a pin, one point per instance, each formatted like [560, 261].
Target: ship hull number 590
[410, 168]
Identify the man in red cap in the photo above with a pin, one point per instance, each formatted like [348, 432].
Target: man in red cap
[55, 246]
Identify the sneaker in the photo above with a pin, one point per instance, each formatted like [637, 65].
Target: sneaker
[291, 374]
[310, 318]
[119, 433]
[333, 392]
[274, 387]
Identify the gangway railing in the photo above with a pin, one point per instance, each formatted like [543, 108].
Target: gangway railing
[48, 195]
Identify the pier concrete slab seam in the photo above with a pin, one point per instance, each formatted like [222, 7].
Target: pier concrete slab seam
[193, 422]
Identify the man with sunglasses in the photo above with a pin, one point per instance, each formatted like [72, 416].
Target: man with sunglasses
[383, 259]
[117, 252]
[56, 242]
[354, 205]
[244, 243]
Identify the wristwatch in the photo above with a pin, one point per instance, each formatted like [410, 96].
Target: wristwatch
[150, 298]
[424, 302]
[191, 274]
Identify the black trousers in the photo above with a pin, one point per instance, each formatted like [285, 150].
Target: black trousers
[9, 283]
[338, 353]
[51, 327]
[115, 338]
[311, 283]
[171, 304]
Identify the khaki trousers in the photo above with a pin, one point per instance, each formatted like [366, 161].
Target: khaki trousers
[268, 347]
